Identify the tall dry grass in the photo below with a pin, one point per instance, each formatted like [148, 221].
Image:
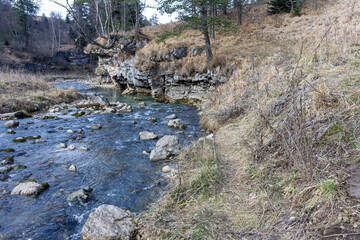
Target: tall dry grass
[287, 130]
[30, 92]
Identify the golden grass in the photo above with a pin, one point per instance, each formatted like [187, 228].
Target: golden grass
[30, 92]
[286, 128]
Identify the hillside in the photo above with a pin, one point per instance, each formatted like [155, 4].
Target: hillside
[285, 159]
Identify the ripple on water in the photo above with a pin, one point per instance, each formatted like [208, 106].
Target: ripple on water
[114, 166]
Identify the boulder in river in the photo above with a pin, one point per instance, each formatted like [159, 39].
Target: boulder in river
[109, 222]
[11, 123]
[71, 147]
[19, 139]
[147, 135]
[82, 195]
[176, 123]
[96, 99]
[72, 168]
[10, 131]
[30, 188]
[96, 126]
[166, 147]
[171, 116]
[63, 145]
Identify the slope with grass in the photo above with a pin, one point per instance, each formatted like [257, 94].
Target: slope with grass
[30, 92]
[286, 124]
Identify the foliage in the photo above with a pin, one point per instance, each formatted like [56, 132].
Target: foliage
[282, 6]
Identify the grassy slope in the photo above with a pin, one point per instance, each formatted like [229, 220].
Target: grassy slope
[30, 92]
[286, 128]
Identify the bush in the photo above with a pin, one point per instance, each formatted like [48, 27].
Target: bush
[282, 6]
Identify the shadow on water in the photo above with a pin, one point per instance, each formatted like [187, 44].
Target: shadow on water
[114, 165]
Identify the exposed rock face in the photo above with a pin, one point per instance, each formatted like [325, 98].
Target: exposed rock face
[160, 83]
[109, 222]
[166, 147]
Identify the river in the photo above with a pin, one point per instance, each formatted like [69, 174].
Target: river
[113, 166]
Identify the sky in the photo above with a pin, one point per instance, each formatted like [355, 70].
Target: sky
[46, 6]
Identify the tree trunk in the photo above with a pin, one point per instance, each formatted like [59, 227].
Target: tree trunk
[124, 4]
[212, 27]
[205, 31]
[239, 6]
[137, 24]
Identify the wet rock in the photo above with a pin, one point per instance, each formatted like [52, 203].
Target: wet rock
[78, 114]
[138, 99]
[6, 169]
[63, 145]
[70, 131]
[30, 188]
[19, 139]
[51, 131]
[82, 195]
[166, 169]
[10, 131]
[176, 123]
[141, 104]
[11, 123]
[33, 137]
[146, 152]
[71, 147]
[39, 141]
[7, 150]
[153, 120]
[147, 135]
[166, 147]
[109, 222]
[7, 160]
[83, 148]
[172, 116]
[96, 126]
[72, 168]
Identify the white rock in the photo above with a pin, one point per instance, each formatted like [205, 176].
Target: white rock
[109, 222]
[63, 145]
[72, 168]
[159, 154]
[176, 123]
[166, 169]
[28, 189]
[11, 123]
[172, 116]
[166, 147]
[84, 148]
[147, 135]
[70, 131]
[71, 147]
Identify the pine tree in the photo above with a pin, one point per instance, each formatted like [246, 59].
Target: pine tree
[281, 6]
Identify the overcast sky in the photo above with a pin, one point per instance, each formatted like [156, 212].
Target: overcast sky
[46, 6]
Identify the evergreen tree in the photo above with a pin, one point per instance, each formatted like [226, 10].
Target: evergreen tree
[281, 6]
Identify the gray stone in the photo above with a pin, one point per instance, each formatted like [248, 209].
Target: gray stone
[71, 147]
[176, 123]
[179, 52]
[82, 195]
[147, 135]
[72, 168]
[171, 116]
[11, 123]
[166, 147]
[63, 145]
[30, 188]
[109, 222]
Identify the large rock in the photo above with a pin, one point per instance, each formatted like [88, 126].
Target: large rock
[109, 222]
[93, 99]
[147, 135]
[29, 188]
[179, 52]
[176, 123]
[166, 147]
[11, 123]
[82, 195]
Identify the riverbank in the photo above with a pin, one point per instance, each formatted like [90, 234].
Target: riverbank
[27, 92]
[286, 138]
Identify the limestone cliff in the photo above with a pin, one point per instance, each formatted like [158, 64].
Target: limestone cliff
[134, 74]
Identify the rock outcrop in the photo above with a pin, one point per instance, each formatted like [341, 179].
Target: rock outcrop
[119, 65]
[109, 222]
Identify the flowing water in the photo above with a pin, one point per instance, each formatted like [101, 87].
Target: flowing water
[114, 165]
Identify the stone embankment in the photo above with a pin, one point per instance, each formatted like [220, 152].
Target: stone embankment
[120, 66]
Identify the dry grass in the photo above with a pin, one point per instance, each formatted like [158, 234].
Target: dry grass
[30, 92]
[287, 130]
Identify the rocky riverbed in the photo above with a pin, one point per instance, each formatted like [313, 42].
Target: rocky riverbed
[59, 166]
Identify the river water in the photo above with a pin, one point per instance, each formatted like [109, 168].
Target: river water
[114, 165]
